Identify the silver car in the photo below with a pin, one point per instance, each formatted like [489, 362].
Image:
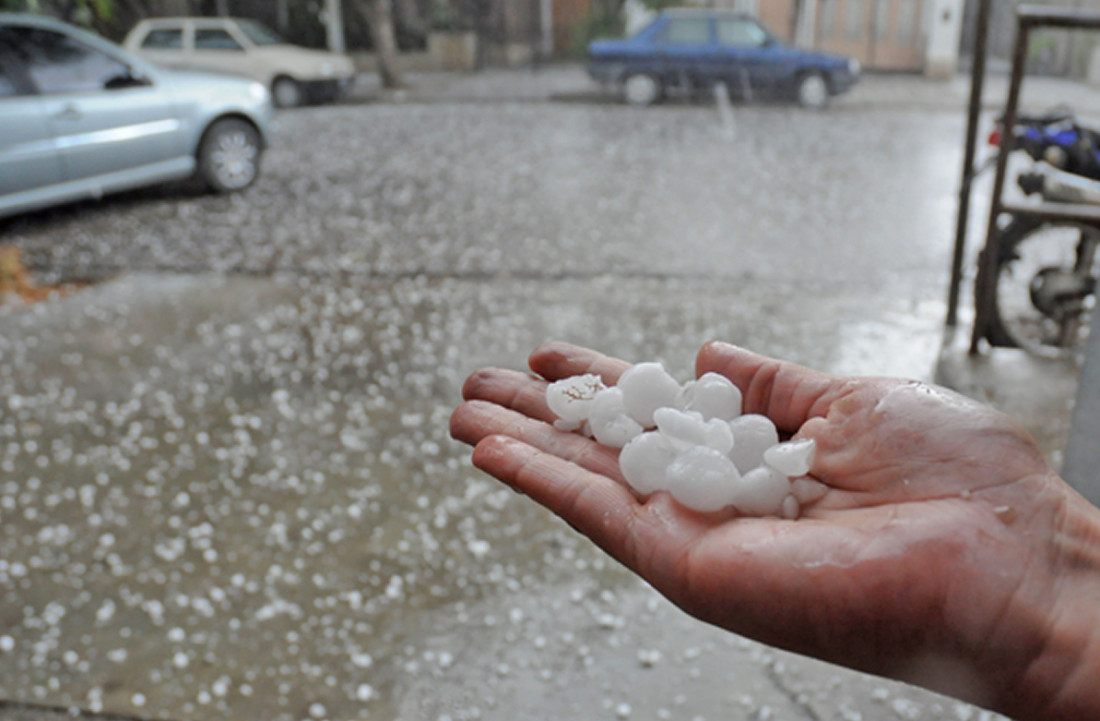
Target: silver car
[80, 118]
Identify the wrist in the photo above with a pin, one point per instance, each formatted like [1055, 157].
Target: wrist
[1063, 680]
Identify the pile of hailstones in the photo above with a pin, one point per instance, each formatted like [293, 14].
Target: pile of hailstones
[699, 447]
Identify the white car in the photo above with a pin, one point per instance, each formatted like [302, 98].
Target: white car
[294, 74]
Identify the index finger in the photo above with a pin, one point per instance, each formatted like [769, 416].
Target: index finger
[555, 360]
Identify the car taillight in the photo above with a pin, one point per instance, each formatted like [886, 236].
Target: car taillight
[995, 136]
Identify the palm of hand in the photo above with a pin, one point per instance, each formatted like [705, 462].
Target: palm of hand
[851, 581]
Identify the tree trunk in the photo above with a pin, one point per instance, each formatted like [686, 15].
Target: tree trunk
[409, 16]
[380, 19]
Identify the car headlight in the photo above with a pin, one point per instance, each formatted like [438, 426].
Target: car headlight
[853, 66]
[257, 91]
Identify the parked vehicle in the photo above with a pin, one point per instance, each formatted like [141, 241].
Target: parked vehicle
[689, 50]
[1047, 270]
[80, 118]
[294, 74]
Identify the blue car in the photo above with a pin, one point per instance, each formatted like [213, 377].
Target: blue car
[694, 50]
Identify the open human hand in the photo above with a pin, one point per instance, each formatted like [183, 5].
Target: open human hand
[945, 551]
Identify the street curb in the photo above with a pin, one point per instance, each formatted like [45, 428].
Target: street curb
[23, 711]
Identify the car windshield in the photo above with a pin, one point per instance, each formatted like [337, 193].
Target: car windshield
[260, 34]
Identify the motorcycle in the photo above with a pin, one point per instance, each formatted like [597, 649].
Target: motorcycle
[1047, 270]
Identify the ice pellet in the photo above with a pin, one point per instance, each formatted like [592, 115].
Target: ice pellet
[609, 421]
[703, 479]
[647, 387]
[761, 492]
[687, 428]
[712, 395]
[807, 490]
[792, 458]
[570, 398]
[644, 462]
[753, 435]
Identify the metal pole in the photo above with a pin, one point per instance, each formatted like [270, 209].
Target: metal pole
[282, 15]
[977, 82]
[987, 261]
[546, 20]
[1081, 468]
[334, 26]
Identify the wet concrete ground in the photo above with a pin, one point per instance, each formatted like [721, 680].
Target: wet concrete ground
[234, 496]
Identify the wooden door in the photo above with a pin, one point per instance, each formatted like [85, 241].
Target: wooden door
[882, 34]
[897, 40]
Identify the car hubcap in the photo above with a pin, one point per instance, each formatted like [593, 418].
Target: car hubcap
[641, 90]
[813, 92]
[235, 160]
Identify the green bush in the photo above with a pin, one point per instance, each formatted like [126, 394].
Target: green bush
[597, 24]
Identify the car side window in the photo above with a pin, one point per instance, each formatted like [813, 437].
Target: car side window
[740, 33]
[214, 39]
[57, 63]
[8, 86]
[687, 31]
[163, 39]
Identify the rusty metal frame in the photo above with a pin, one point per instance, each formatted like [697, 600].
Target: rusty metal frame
[977, 81]
[1028, 19]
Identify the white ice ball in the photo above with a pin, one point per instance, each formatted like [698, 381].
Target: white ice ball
[790, 508]
[807, 490]
[609, 422]
[647, 387]
[761, 492]
[703, 479]
[571, 398]
[792, 458]
[687, 429]
[752, 435]
[644, 462]
[713, 395]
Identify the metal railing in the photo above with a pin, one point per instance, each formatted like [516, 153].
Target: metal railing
[1029, 18]
[1082, 457]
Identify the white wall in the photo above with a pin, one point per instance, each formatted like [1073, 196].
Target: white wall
[944, 25]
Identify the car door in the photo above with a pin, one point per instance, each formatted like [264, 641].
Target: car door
[749, 58]
[105, 118]
[683, 47]
[216, 48]
[28, 152]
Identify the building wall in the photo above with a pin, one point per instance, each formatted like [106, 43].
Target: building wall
[1052, 52]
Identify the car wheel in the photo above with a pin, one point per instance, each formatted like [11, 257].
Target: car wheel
[229, 156]
[641, 89]
[813, 91]
[286, 93]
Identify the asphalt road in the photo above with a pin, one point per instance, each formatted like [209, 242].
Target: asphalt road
[228, 490]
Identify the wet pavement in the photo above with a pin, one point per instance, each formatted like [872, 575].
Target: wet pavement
[227, 489]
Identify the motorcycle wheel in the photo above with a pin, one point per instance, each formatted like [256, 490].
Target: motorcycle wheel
[1044, 288]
